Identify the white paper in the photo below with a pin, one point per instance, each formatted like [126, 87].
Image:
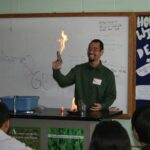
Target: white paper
[144, 70]
[143, 92]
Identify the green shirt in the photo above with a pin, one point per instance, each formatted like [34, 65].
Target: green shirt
[92, 85]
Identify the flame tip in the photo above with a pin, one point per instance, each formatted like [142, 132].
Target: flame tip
[73, 106]
[62, 41]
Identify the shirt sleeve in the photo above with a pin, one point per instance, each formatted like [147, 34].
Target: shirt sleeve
[64, 80]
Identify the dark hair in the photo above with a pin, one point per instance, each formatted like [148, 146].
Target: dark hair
[4, 113]
[98, 41]
[141, 123]
[110, 135]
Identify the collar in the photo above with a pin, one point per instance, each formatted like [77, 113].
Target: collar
[97, 68]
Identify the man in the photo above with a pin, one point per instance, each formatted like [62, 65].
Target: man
[141, 126]
[94, 83]
[7, 142]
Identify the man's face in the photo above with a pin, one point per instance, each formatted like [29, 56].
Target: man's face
[94, 51]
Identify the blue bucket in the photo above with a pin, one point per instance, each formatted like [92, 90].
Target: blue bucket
[22, 103]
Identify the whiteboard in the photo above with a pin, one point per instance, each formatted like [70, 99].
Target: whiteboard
[28, 46]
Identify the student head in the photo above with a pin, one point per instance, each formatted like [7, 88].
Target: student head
[110, 135]
[4, 117]
[141, 124]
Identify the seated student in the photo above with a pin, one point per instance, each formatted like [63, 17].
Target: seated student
[7, 142]
[141, 126]
[110, 135]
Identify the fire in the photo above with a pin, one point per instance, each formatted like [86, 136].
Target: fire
[73, 106]
[62, 111]
[62, 41]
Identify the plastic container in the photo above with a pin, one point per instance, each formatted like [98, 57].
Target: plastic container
[21, 103]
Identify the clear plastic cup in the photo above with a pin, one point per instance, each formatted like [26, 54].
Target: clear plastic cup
[82, 107]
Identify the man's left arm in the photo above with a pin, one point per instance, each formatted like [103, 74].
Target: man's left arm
[110, 93]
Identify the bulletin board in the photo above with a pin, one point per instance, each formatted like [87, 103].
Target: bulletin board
[142, 59]
[28, 45]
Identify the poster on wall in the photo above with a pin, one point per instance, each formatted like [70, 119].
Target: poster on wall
[28, 135]
[65, 138]
[143, 60]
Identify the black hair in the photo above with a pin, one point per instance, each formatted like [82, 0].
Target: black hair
[110, 135]
[141, 123]
[4, 113]
[98, 41]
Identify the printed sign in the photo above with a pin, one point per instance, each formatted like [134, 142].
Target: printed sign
[143, 60]
[28, 135]
[65, 139]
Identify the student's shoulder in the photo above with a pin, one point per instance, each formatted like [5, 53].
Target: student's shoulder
[18, 145]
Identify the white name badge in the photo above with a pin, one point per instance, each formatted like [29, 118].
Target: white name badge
[97, 81]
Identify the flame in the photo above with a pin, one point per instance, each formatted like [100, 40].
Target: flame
[62, 41]
[62, 111]
[73, 106]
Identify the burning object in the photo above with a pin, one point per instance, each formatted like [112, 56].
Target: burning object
[62, 42]
[73, 106]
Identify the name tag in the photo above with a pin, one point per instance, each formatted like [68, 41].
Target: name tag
[97, 81]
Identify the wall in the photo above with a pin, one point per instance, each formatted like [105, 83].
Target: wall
[50, 6]
[38, 6]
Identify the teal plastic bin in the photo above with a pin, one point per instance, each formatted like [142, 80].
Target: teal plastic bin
[22, 103]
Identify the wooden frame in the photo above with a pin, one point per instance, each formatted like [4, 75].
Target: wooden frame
[131, 45]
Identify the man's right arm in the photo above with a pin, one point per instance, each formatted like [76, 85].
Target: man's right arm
[56, 65]
[62, 80]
